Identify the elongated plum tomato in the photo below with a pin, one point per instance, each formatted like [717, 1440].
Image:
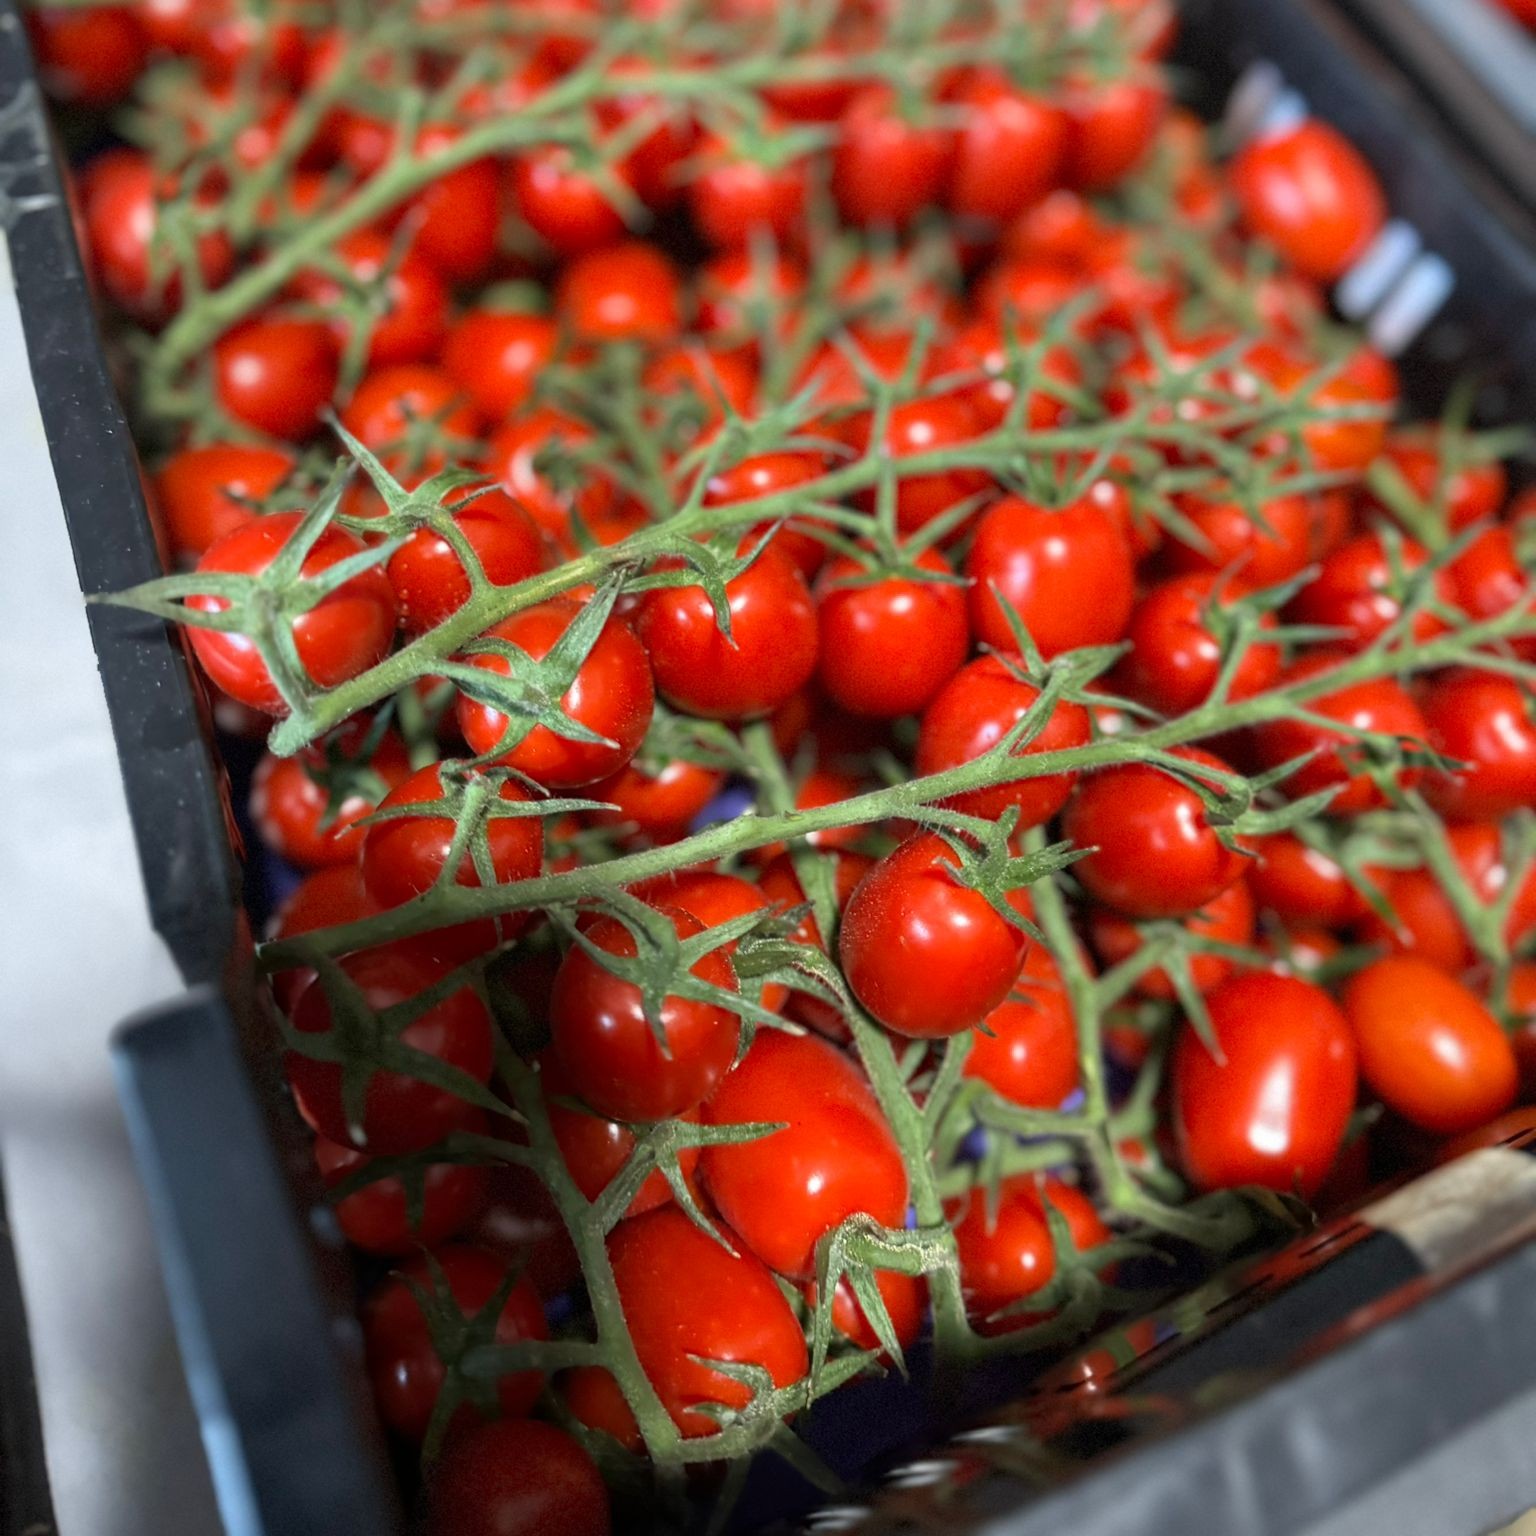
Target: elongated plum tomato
[889, 644]
[1309, 192]
[1156, 853]
[345, 633]
[834, 1157]
[397, 1112]
[771, 653]
[403, 1362]
[974, 711]
[610, 694]
[1429, 1046]
[610, 1048]
[1273, 1110]
[687, 1299]
[517, 1477]
[1026, 1048]
[926, 955]
[204, 493]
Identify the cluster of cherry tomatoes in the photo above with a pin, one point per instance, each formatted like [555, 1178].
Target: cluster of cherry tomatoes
[851, 275]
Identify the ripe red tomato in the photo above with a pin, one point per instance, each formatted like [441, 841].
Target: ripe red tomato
[595, 1149]
[980, 351]
[914, 428]
[1175, 655]
[1155, 851]
[376, 1218]
[835, 1155]
[887, 165]
[1382, 706]
[1428, 1046]
[1263, 554]
[389, 407]
[974, 711]
[1111, 127]
[276, 375]
[1483, 721]
[1026, 1048]
[326, 899]
[456, 218]
[404, 856]
[771, 652]
[660, 803]
[611, 694]
[517, 1477]
[203, 493]
[534, 457]
[344, 634]
[593, 1398]
[737, 195]
[1009, 1254]
[1359, 590]
[400, 1113]
[88, 58]
[1463, 489]
[1311, 194]
[628, 292]
[926, 955]
[1010, 150]
[688, 1299]
[403, 1363]
[1069, 574]
[742, 294]
[1302, 886]
[905, 1298]
[1273, 1109]
[1227, 918]
[889, 644]
[563, 203]
[496, 358]
[1489, 578]
[611, 1049]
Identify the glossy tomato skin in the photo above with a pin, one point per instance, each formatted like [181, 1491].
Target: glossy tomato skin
[88, 58]
[1005, 1259]
[1156, 853]
[277, 375]
[458, 215]
[975, 710]
[914, 428]
[1358, 591]
[887, 646]
[400, 1113]
[1489, 578]
[1110, 129]
[1484, 722]
[688, 1299]
[1301, 885]
[1026, 1048]
[835, 1156]
[927, 956]
[905, 1298]
[345, 633]
[772, 653]
[1227, 918]
[611, 694]
[406, 1370]
[556, 501]
[202, 492]
[1070, 575]
[496, 358]
[387, 409]
[517, 1477]
[562, 203]
[627, 292]
[1310, 193]
[1428, 1046]
[607, 1045]
[659, 803]
[887, 167]
[1009, 150]
[1274, 1112]
[733, 196]
[594, 1399]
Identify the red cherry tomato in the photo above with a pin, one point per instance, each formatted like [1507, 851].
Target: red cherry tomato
[561, 202]
[1465, 490]
[535, 458]
[887, 165]
[203, 493]
[660, 803]
[276, 375]
[735, 196]
[889, 644]
[595, 1399]
[926, 955]
[1262, 554]
[1227, 918]
[915, 428]
[1010, 149]
[1026, 1048]
[834, 1157]
[1156, 853]
[1273, 1108]
[496, 359]
[345, 633]
[1360, 589]
[1111, 127]
[403, 1362]
[905, 1298]
[1483, 721]
[628, 292]
[399, 1112]
[974, 711]
[1428, 1046]
[611, 1049]
[1489, 578]
[741, 294]
[88, 58]
[1301, 885]
[390, 406]
[456, 218]
[517, 1477]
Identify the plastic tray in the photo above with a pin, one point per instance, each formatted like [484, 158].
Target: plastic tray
[1316, 1383]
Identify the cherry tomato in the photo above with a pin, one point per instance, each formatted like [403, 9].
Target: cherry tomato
[834, 1157]
[1156, 853]
[1263, 553]
[1444, 477]
[1311, 194]
[915, 428]
[403, 1362]
[535, 457]
[1010, 150]
[610, 694]
[1069, 575]
[660, 803]
[1111, 127]
[735, 196]
[325, 899]
[982, 349]
[1489, 578]
[888, 644]
[88, 58]
[771, 652]
[974, 711]
[610, 1047]
[399, 1112]
[688, 1298]
[628, 292]
[926, 955]
[1302, 885]
[496, 359]
[392, 406]
[517, 1477]
[1360, 589]
[276, 375]
[594, 1399]
[1482, 721]
[456, 218]
[345, 633]
[1227, 918]
[563, 203]
[887, 166]
[1273, 1108]
[1428, 1047]
[1026, 1048]
[205, 493]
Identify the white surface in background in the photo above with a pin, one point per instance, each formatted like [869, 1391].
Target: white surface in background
[77, 954]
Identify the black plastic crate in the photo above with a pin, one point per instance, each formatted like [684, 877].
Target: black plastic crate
[1315, 1381]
